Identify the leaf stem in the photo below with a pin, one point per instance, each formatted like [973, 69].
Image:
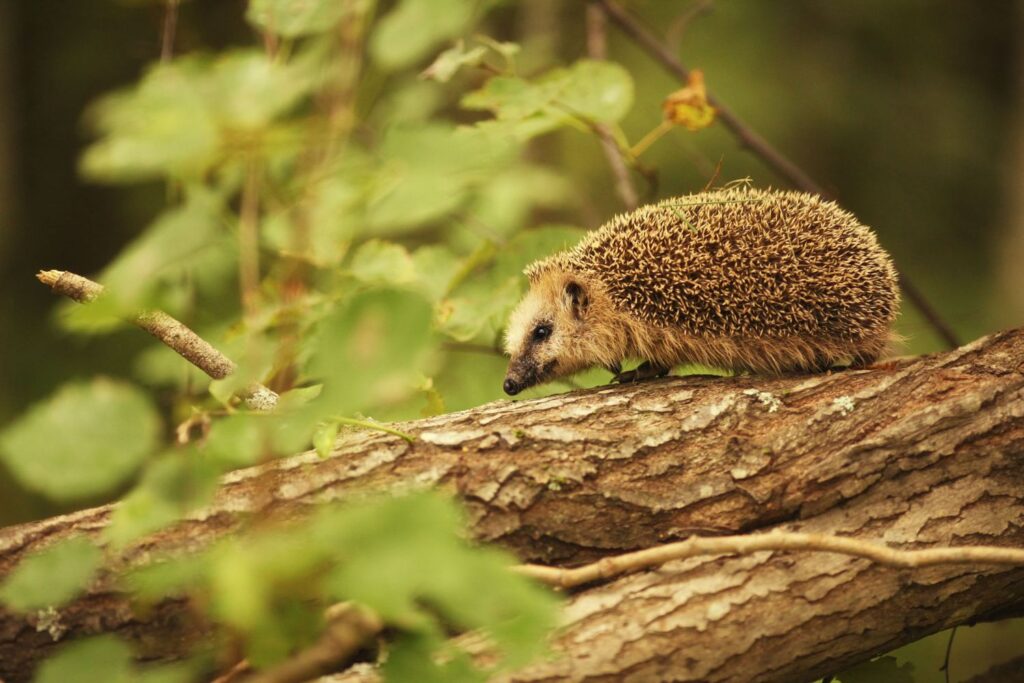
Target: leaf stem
[370, 424]
[653, 136]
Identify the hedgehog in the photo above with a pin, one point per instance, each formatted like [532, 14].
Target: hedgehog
[743, 279]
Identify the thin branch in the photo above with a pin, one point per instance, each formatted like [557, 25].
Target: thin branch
[747, 136]
[170, 27]
[248, 241]
[750, 139]
[751, 543]
[597, 48]
[675, 32]
[348, 629]
[949, 651]
[939, 325]
[172, 332]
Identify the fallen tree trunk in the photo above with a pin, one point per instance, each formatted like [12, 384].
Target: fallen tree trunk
[920, 453]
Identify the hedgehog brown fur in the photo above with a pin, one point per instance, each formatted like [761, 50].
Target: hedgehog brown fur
[746, 279]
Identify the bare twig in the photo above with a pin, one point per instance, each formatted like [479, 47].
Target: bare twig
[746, 135]
[597, 48]
[675, 32]
[248, 241]
[949, 651]
[348, 628]
[172, 332]
[170, 26]
[751, 543]
[939, 325]
[750, 139]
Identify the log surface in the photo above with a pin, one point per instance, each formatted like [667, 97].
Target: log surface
[917, 453]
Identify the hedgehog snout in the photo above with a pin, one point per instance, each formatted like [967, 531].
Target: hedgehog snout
[520, 375]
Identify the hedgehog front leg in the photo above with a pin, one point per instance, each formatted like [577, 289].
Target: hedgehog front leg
[646, 370]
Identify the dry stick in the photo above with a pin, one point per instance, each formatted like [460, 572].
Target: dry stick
[780, 540]
[348, 629]
[750, 139]
[597, 48]
[167, 329]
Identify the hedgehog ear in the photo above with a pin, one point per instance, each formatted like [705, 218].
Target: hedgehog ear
[577, 298]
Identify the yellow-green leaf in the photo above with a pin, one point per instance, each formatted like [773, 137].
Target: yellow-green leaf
[52, 576]
[83, 441]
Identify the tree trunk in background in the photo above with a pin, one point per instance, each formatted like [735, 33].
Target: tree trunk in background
[921, 453]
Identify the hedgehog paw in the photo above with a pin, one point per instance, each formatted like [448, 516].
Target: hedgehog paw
[863, 360]
[646, 370]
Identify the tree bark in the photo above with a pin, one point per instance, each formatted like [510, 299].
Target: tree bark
[916, 453]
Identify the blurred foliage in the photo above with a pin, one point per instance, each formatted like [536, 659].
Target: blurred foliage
[387, 170]
[105, 659]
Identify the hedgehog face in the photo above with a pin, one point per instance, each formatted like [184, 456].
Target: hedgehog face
[547, 333]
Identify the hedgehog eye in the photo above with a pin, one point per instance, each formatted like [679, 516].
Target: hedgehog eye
[541, 332]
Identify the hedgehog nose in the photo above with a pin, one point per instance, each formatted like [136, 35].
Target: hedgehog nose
[510, 386]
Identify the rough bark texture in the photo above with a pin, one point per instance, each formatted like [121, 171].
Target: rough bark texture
[918, 453]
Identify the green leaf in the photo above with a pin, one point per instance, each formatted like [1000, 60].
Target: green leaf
[435, 268]
[434, 400]
[882, 669]
[449, 62]
[414, 27]
[468, 586]
[508, 50]
[592, 90]
[178, 672]
[331, 217]
[104, 659]
[504, 204]
[382, 263]
[410, 101]
[372, 351]
[413, 659]
[239, 440]
[173, 577]
[293, 18]
[428, 172]
[479, 309]
[83, 441]
[293, 625]
[173, 485]
[161, 127]
[240, 595]
[166, 250]
[324, 438]
[248, 90]
[52, 576]
[596, 90]
[511, 97]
